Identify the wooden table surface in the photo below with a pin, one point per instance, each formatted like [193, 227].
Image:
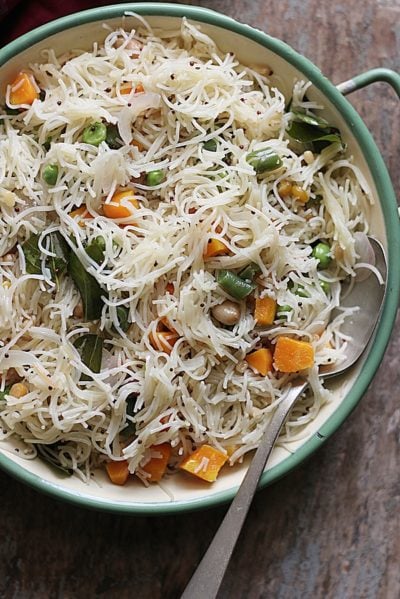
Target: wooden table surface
[330, 529]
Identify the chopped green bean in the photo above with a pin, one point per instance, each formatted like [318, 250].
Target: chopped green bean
[234, 285]
[264, 160]
[250, 271]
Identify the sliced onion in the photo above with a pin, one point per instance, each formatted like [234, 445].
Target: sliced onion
[366, 255]
[140, 103]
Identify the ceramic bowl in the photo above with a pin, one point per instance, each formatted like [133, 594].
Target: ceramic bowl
[180, 492]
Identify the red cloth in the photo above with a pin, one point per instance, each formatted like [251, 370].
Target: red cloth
[19, 16]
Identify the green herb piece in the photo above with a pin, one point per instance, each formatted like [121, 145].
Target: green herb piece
[282, 310]
[250, 271]
[154, 178]
[130, 428]
[234, 285]
[33, 256]
[298, 289]
[48, 453]
[11, 111]
[5, 392]
[210, 145]
[89, 288]
[123, 318]
[94, 134]
[96, 249]
[90, 348]
[58, 263]
[310, 119]
[113, 139]
[264, 160]
[325, 286]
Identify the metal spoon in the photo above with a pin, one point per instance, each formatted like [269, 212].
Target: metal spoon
[368, 295]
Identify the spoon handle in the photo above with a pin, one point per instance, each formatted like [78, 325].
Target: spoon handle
[209, 574]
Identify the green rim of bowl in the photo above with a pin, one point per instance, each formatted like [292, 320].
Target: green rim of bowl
[389, 207]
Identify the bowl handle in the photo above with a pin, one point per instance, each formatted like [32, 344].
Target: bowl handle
[372, 76]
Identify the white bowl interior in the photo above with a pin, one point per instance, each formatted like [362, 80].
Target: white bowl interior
[182, 487]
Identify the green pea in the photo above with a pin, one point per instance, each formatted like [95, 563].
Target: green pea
[112, 138]
[264, 160]
[154, 178]
[210, 145]
[322, 253]
[325, 286]
[50, 174]
[94, 134]
[282, 310]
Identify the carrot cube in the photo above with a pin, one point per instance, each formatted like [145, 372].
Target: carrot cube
[157, 465]
[260, 360]
[23, 89]
[292, 355]
[118, 472]
[205, 463]
[265, 310]
[215, 247]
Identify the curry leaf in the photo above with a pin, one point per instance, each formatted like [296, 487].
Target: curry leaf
[96, 249]
[32, 255]
[309, 135]
[49, 454]
[57, 263]
[89, 288]
[56, 244]
[90, 348]
[310, 119]
[130, 428]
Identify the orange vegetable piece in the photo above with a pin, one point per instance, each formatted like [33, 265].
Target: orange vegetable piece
[165, 325]
[292, 355]
[205, 463]
[169, 288]
[118, 472]
[115, 209]
[265, 310]
[260, 360]
[163, 340]
[81, 213]
[23, 89]
[156, 466]
[215, 247]
[137, 145]
[126, 88]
